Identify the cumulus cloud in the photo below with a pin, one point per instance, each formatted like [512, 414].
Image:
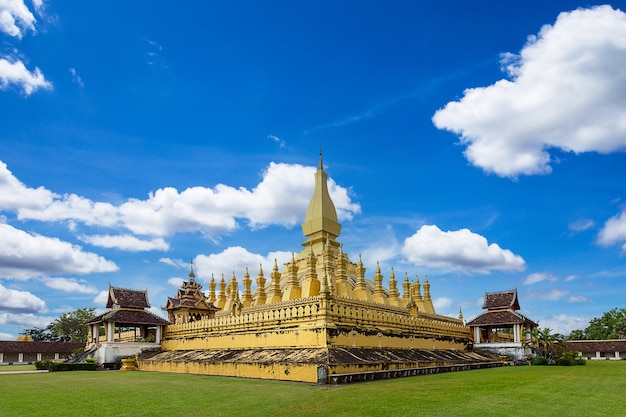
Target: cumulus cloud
[280, 198]
[564, 324]
[14, 72]
[236, 259]
[68, 285]
[441, 303]
[538, 277]
[101, 298]
[128, 243]
[175, 281]
[613, 231]
[16, 196]
[23, 255]
[566, 90]
[458, 251]
[14, 301]
[27, 320]
[16, 18]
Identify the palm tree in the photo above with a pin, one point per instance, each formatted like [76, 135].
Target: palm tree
[547, 344]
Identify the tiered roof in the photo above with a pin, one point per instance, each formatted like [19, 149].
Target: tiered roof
[127, 307]
[127, 298]
[501, 309]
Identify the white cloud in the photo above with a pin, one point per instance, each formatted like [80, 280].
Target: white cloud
[176, 263]
[581, 225]
[566, 91]
[126, 242]
[28, 320]
[442, 303]
[15, 301]
[39, 6]
[551, 295]
[76, 78]
[15, 72]
[68, 285]
[15, 195]
[281, 143]
[579, 299]
[101, 298]
[459, 251]
[6, 336]
[176, 282]
[538, 277]
[23, 255]
[564, 324]
[16, 18]
[613, 231]
[237, 259]
[280, 198]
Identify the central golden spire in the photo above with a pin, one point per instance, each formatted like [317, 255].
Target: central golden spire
[321, 223]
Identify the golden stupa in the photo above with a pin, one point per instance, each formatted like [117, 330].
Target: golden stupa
[317, 320]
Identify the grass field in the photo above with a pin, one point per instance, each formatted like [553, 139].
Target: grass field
[596, 389]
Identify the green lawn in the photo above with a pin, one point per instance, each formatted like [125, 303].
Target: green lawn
[13, 368]
[596, 389]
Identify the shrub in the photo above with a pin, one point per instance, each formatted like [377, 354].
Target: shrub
[563, 361]
[539, 360]
[64, 366]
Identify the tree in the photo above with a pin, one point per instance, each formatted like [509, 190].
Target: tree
[38, 334]
[612, 325]
[548, 345]
[69, 327]
[577, 335]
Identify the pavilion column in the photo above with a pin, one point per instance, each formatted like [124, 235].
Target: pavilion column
[157, 338]
[95, 333]
[517, 333]
[476, 334]
[110, 331]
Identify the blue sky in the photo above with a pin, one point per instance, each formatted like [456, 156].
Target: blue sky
[479, 143]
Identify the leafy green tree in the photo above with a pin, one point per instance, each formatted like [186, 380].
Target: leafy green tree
[548, 345]
[612, 325]
[38, 334]
[577, 335]
[69, 327]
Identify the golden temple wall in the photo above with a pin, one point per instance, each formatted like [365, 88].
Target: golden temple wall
[319, 322]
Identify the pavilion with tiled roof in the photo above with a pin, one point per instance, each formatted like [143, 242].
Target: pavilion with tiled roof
[502, 328]
[127, 323]
[190, 304]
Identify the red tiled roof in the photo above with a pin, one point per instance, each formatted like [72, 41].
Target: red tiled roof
[503, 299]
[40, 347]
[618, 345]
[126, 298]
[129, 317]
[492, 318]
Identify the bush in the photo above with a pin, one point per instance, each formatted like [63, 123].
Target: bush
[569, 358]
[563, 361]
[538, 360]
[64, 366]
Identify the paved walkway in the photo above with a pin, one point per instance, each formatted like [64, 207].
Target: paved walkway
[34, 371]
